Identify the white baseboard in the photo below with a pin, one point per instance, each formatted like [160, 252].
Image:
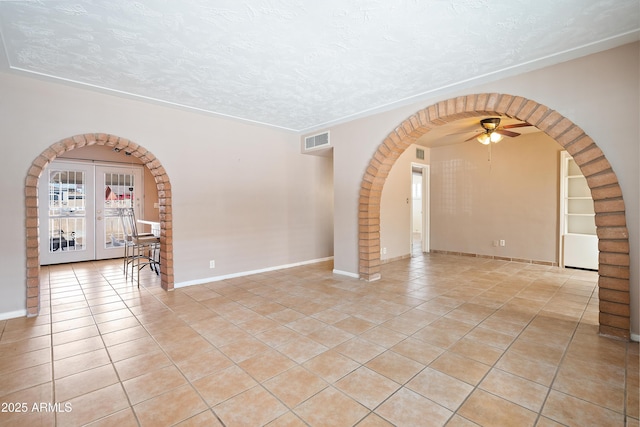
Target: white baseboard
[635, 337]
[346, 273]
[247, 273]
[13, 314]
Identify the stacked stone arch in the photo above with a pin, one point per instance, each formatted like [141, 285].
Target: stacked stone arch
[31, 206]
[613, 237]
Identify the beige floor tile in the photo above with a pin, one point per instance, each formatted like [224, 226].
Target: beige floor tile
[124, 335]
[124, 418]
[174, 406]
[395, 366]
[373, 420]
[254, 407]
[141, 364]
[354, 325]
[538, 351]
[20, 361]
[258, 325]
[515, 389]
[71, 324]
[301, 349]
[569, 410]
[203, 364]
[490, 337]
[24, 346]
[367, 387]
[407, 408]
[360, 350]
[205, 418]
[584, 386]
[294, 386]
[287, 420]
[277, 336]
[477, 351]
[383, 336]
[132, 348]
[153, 383]
[25, 378]
[73, 365]
[331, 366]
[243, 348]
[77, 347]
[306, 325]
[223, 385]
[443, 389]
[344, 410]
[418, 350]
[536, 371]
[94, 406]
[487, 409]
[28, 397]
[116, 325]
[461, 367]
[266, 365]
[84, 382]
[330, 336]
[330, 316]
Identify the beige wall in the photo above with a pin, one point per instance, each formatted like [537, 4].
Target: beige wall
[514, 197]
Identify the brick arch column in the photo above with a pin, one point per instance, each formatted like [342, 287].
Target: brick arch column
[613, 236]
[31, 203]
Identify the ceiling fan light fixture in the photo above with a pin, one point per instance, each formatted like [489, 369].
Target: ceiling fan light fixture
[484, 139]
[495, 137]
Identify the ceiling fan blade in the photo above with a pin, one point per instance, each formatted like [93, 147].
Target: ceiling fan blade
[517, 125]
[507, 133]
[474, 136]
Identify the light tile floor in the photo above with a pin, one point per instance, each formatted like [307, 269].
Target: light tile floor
[440, 340]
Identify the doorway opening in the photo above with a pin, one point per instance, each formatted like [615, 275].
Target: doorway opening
[609, 209]
[419, 209]
[79, 202]
[32, 230]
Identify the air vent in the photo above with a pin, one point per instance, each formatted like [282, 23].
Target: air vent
[316, 141]
[419, 153]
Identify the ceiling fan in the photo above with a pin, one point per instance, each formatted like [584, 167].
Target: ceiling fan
[493, 132]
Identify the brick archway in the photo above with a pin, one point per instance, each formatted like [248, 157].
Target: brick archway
[31, 204]
[613, 236]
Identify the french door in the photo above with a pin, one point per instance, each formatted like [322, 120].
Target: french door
[79, 204]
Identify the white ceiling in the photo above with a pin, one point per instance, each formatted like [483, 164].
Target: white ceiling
[296, 64]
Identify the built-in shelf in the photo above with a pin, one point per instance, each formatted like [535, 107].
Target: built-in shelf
[578, 239]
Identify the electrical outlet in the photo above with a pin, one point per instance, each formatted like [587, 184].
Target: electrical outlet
[502, 243]
[384, 251]
[212, 264]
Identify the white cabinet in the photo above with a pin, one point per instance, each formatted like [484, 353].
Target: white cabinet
[578, 239]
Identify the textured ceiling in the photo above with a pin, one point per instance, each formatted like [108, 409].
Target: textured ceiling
[298, 64]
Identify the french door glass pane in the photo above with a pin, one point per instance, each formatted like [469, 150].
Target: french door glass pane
[67, 210]
[118, 193]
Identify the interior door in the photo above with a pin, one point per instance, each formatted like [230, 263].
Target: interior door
[66, 213]
[116, 187]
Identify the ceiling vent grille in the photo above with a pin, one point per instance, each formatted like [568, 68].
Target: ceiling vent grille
[317, 141]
